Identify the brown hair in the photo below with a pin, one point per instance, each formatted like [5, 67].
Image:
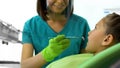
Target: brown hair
[42, 9]
[113, 26]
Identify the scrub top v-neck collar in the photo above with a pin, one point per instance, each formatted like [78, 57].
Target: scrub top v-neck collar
[56, 33]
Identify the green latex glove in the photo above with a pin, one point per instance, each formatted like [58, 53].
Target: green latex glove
[56, 46]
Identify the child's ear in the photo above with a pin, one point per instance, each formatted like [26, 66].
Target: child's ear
[107, 40]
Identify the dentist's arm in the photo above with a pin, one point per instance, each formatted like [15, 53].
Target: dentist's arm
[30, 61]
[55, 47]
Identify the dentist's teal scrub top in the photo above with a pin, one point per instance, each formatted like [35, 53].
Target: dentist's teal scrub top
[37, 32]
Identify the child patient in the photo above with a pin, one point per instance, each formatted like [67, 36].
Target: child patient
[105, 35]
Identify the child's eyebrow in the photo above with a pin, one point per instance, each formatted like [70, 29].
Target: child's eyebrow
[96, 24]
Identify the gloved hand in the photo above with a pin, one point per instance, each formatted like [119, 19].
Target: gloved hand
[56, 46]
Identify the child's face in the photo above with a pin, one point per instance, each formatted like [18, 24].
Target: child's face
[96, 38]
[57, 6]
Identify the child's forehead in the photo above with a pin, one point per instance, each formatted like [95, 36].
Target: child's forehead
[100, 22]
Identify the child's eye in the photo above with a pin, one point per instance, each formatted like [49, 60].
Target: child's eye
[95, 27]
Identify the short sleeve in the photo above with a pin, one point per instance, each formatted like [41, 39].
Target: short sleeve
[26, 34]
